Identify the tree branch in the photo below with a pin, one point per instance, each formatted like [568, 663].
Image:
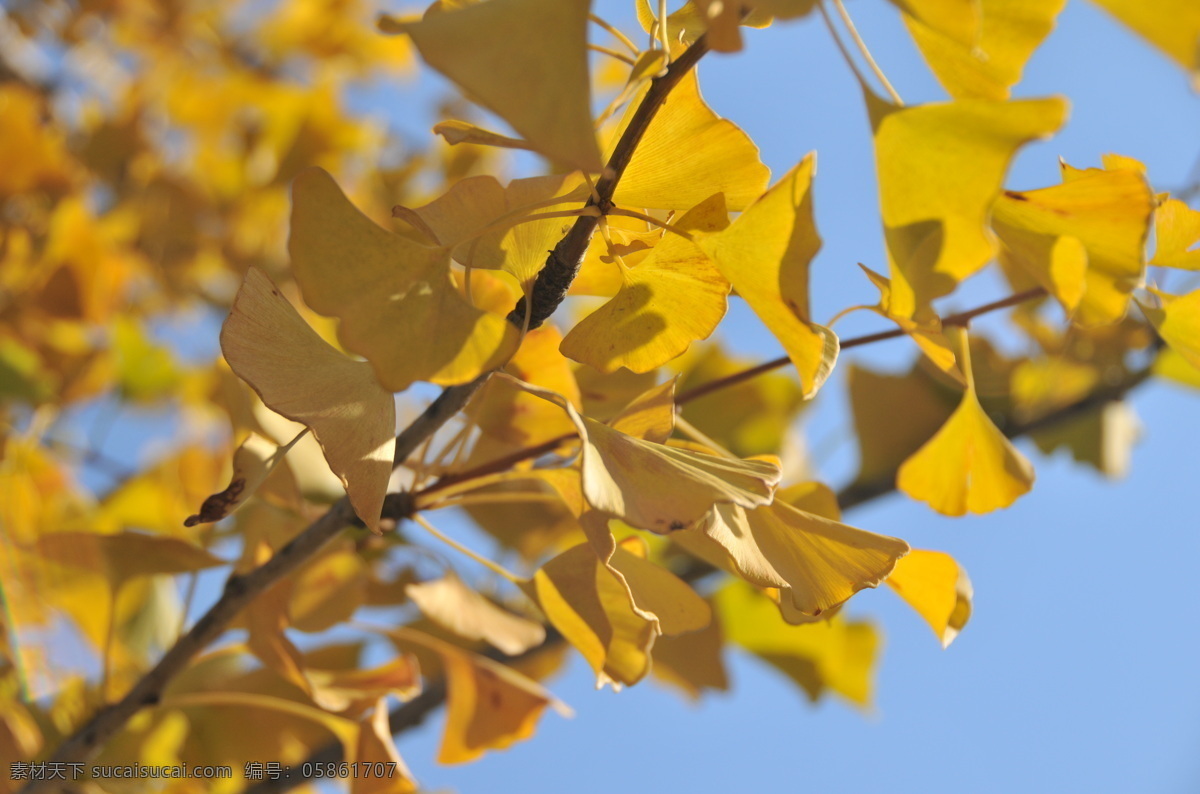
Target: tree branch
[549, 291]
[412, 713]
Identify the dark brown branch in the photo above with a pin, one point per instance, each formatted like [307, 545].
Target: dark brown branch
[562, 265]
[242, 589]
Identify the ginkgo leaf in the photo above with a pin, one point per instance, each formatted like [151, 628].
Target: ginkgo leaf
[937, 587]
[744, 418]
[450, 603]
[835, 655]
[650, 415]
[388, 291]
[347, 690]
[1083, 240]
[506, 412]
[543, 91]
[968, 465]
[817, 563]
[1177, 322]
[940, 168]
[1177, 230]
[591, 605]
[328, 590]
[1171, 25]
[450, 218]
[986, 62]
[925, 331]
[1103, 438]
[125, 555]
[765, 255]
[489, 706]
[377, 746]
[456, 132]
[720, 158]
[252, 462]
[658, 591]
[658, 487]
[667, 301]
[300, 376]
[957, 20]
[693, 661]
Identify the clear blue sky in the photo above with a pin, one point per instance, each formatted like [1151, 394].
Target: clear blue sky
[1078, 670]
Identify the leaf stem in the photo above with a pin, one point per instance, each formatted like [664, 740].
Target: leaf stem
[650, 219]
[620, 56]
[866, 53]
[616, 33]
[454, 544]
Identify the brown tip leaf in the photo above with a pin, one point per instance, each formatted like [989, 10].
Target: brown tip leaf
[302, 377]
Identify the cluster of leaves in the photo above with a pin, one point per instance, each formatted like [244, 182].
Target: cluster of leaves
[637, 475]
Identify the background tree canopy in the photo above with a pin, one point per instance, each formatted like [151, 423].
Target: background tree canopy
[687, 352]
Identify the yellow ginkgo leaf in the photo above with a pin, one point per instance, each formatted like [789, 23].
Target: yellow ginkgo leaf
[818, 563]
[988, 62]
[591, 605]
[377, 750]
[1083, 240]
[940, 168]
[658, 591]
[926, 331]
[388, 291]
[452, 604]
[968, 465]
[455, 132]
[125, 555]
[351, 689]
[300, 376]
[957, 20]
[543, 91]
[489, 706]
[328, 590]
[658, 487]
[1177, 229]
[765, 254]
[829, 655]
[937, 587]
[670, 299]
[650, 415]
[1177, 322]
[1171, 25]
[719, 158]
[468, 205]
[692, 662]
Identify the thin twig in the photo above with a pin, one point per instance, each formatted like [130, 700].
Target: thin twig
[411, 714]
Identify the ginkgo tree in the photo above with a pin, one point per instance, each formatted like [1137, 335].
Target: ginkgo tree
[630, 470]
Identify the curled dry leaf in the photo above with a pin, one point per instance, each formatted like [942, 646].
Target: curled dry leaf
[450, 603]
[252, 462]
[302, 377]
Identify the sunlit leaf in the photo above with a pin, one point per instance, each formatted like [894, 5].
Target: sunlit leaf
[452, 604]
[1177, 230]
[667, 301]
[940, 167]
[488, 707]
[987, 61]
[1171, 25]
[937, 587]
[1177, 320]
[694, 661]
[377, 751]
[765, 254]
[300, 376]
[720, 157]
[543, 91]
[386, 288]
[126, 555]
[1083, 240]
[835, 655]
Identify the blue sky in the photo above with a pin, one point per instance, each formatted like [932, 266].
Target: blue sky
[1077, 672]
